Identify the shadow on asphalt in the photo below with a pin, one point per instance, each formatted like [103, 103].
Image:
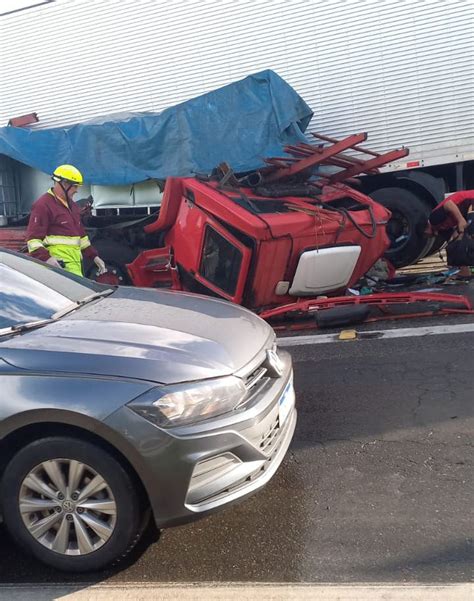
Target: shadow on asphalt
[460, 554]
[16, 567]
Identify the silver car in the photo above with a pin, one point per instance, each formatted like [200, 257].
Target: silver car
[118, 401]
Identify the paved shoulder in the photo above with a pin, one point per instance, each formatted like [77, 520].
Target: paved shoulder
[241, 592]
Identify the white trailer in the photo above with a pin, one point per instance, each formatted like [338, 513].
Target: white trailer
[400, 70]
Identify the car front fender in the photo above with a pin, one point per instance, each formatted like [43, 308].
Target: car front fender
[84, 402]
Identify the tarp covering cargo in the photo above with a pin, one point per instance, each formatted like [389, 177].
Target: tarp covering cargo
[240, 123]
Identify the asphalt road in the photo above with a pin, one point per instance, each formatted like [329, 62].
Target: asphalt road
[378, 486]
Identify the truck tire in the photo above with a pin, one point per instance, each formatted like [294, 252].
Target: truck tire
[409, 213]
[438, 244]
[53, 511]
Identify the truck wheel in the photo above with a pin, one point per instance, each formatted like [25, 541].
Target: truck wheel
[408, 213]
[70, 504]
[438, 243]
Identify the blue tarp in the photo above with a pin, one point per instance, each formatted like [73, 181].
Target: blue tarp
[240, 123]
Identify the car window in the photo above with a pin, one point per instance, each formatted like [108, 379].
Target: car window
[31, 290]
[23, 299]
[73, 286]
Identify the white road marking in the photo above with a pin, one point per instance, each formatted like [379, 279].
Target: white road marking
[239, 592]
[460, 328]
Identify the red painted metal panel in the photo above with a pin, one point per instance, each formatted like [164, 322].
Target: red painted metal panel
[169, 206]
[272, 263]
[315, 158]
[379, 300]
[13, 238]
[374, 163]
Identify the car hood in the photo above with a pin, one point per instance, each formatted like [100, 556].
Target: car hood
[159, 336]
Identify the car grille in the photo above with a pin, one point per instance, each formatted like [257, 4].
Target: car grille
[268, 438]
[254, 378]
[227, 468]
[254, 383]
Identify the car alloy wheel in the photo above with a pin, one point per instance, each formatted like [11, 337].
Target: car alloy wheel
[67, 507]
[72, 504]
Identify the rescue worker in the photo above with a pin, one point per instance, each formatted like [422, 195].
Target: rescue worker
[450, 220]
[55, 233]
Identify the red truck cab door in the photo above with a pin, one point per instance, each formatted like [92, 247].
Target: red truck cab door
[223, 263]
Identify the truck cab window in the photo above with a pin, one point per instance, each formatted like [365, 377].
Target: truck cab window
[220, 262]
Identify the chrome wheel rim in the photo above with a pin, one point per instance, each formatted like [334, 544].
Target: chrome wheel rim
[398, 231]
[67, 507]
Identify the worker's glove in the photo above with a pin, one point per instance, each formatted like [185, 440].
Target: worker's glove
[101, 268]
[54, 262]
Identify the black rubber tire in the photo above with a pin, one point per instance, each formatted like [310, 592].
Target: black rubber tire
[342, 316]
[438, 244]
[410, 211]
[127, 530]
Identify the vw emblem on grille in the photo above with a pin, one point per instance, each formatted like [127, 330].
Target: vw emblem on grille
[274, 363]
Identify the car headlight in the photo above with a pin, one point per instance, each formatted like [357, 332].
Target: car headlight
[191, 402]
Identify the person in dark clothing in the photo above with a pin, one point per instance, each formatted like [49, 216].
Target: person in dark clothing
[450, 219]
[451, 214]
[55, 233]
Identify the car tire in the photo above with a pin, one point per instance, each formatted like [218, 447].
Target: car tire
[86, 526]
[408, 213]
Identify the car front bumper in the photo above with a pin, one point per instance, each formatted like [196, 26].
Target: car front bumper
[192, 471]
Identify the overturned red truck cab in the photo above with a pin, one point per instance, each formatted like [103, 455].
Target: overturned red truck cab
[259, 250]
[278, 240]
[270, 237]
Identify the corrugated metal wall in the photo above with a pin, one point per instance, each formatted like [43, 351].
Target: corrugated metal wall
[401, 70]
[9, 192]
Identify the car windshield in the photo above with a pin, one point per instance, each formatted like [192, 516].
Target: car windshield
[32, 291]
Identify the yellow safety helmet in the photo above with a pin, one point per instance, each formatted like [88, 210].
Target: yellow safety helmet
[68, 173]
